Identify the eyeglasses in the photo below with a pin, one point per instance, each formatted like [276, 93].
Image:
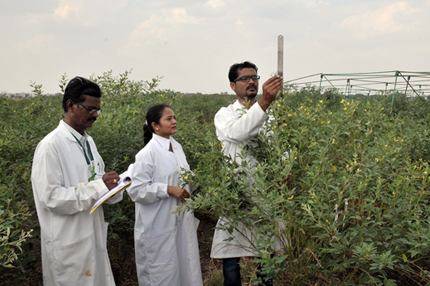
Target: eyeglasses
[246, 78]
[91, 111]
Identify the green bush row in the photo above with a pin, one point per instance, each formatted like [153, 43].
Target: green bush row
[357, 213]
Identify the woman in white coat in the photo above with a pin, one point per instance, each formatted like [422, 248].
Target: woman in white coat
[166, 244]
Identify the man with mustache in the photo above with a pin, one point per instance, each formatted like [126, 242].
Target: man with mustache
[236, 125]
[68, 178]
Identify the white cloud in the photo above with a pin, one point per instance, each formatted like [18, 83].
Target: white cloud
[90, 13]
[63, 11]
[215, 3]
[178, 16]
[160, 27]
[36, 44]
[394, 18]
[182, 39]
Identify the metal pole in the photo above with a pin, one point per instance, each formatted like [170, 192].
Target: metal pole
[394, 91]
[280, 55]
[346, 88]
[407, 83]
[281, 58]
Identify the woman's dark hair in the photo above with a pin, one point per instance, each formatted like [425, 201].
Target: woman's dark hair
[154, 114]
[78, 88]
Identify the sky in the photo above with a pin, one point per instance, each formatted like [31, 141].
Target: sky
[192, 44]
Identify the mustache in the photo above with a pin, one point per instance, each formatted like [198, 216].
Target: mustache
[251, 86]
[92, 119]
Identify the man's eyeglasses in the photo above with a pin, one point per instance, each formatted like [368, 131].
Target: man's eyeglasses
[247, 78]
[91, 111]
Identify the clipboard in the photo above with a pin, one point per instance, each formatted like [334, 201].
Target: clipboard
[124, 182]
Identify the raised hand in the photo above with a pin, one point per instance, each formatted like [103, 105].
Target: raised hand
[270, 90]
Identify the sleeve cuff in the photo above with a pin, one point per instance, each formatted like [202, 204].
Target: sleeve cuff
[162, 191]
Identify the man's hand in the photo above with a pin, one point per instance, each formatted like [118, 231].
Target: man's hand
[270, 90]
[111, 179]
[179, 193]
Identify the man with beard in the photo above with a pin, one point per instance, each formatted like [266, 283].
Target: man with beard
[68, 178]
[236, 125]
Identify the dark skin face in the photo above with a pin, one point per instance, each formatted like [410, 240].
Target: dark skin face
[78, 117]
[167, 124]
[245, 90]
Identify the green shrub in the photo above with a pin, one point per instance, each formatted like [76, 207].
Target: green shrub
[357, 213]
[358, 210]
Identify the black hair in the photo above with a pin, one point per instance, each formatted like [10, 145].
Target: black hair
[234, 70]
[78, 88]
[154, 114]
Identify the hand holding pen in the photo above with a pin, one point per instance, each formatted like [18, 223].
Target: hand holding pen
[110, 179]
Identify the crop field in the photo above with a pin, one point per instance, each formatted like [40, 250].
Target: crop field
[357, 212]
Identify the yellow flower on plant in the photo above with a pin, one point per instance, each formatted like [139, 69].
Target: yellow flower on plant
[290, 198]
[278, 105]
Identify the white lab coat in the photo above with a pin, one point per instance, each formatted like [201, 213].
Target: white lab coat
[166, 245]
[235, 127]
[73, 241]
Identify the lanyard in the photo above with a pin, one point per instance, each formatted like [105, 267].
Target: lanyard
[89, 160]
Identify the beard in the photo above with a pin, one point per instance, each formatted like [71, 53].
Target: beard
[251, 94]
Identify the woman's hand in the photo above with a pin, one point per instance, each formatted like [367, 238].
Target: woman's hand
[179, 193]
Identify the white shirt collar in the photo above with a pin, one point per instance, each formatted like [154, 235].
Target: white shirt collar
[238, 105]
[79, 136]
[164, 142]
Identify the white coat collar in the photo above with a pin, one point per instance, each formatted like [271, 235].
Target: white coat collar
[79, 136]
[164, 142]
[238, 106]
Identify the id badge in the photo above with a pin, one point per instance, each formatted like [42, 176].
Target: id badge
[92, 170]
